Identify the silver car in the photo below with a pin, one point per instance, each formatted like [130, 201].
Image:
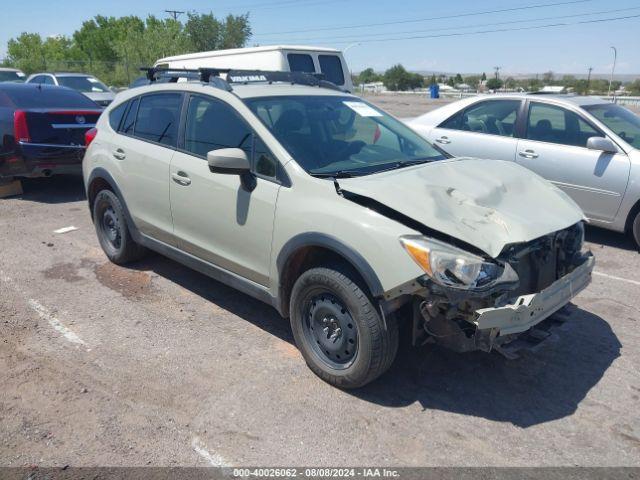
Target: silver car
[88, 85]
[584, 145]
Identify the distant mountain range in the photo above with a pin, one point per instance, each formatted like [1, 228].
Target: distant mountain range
[623, 77]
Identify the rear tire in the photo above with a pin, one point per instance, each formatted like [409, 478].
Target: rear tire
[113, 231]
[338, 329]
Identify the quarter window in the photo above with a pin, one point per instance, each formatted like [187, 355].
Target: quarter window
[331, 67]
[211, 125]
[265, 163]
[299, 62]
[129, 122]
[553, 124]
[115, 116]
[494, 117]
[158, 117]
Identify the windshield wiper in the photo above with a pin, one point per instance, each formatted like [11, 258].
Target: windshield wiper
[403, 163]
[338, 174]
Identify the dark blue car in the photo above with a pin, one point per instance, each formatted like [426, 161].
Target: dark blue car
[42, 129]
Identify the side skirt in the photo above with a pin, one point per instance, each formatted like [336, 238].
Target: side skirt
[248, 287]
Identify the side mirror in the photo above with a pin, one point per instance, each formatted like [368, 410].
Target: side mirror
[602, 144]
[230, 161]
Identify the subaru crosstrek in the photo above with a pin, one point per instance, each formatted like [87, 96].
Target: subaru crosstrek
[335, 213]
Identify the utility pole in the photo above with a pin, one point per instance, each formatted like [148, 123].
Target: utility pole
[589, 79]
[615, 57]
[497, 69]
[174, 13]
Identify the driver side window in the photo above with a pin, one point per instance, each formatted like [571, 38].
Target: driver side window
[212, 124]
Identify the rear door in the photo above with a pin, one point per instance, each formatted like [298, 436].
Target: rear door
[142, 153]
[555, 147]
[485, 129]
[215, 217]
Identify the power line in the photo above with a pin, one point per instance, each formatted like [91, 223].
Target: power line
[535, 27]
[174, 13]
[397, 22]
[359, 37]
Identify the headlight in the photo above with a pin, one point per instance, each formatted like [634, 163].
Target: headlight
[454, 268]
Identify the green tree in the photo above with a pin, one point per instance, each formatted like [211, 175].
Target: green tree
[398, 78]
[368, 75]
[634, 87]
[113, 48]
[484, 76]
[432, 80]
[494, 84]
[458, 79]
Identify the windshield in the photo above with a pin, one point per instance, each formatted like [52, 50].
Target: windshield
[11, 76]
[83, 84]
[623, 122]
[330, 135]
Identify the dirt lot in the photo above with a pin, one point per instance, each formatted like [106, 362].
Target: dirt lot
[158, 365]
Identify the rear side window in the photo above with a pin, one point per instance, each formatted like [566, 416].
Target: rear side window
[331, 67]
[158, 117]
[30, 96]
[493, 117]
[299, 62]
[130, 120]
[116, 114]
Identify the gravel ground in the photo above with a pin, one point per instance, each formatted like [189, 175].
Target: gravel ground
[158, 365]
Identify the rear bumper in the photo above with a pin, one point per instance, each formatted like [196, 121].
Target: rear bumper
[37, 160]
[529, 310]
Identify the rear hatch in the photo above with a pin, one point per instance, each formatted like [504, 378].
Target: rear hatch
[60, 126]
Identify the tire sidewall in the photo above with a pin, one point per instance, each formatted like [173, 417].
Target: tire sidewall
[310, 284]
[103, 200]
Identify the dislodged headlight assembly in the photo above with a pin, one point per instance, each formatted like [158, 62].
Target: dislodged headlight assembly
[454, 268]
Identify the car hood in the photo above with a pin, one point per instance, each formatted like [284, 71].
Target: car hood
[486, 203]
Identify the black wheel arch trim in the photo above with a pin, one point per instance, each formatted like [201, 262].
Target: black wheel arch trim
[322, 240]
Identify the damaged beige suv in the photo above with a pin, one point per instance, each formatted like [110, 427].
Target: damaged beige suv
[334, 212]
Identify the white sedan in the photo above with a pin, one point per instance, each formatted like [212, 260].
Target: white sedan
[586, 146]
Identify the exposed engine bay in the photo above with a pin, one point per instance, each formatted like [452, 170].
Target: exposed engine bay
[550, 271]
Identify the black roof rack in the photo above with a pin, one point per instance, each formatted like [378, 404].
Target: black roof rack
[212, 76]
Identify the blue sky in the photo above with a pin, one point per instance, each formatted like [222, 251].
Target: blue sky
[565, 49]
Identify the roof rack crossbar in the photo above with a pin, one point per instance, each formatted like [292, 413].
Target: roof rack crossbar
[213, 76]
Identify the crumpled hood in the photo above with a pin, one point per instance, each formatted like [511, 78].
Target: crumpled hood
[486, 203]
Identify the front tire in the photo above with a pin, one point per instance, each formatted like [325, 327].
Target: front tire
[113, 231]
[635, 229]
[339, 331]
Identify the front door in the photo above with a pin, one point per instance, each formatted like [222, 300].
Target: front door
[555, 147]
[215, 217]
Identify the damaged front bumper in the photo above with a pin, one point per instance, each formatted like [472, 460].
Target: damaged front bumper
[466, 323]
[529, 310]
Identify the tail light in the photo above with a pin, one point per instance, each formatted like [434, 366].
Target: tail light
[20, 127]
[89, 135]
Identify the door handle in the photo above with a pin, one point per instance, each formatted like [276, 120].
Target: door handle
[443, 140]
[528, 154]
[119, 154]
[181, 178]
